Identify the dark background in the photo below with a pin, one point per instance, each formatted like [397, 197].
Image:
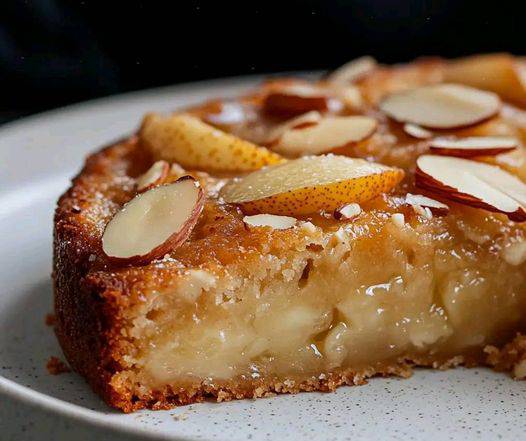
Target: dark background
[55, 52]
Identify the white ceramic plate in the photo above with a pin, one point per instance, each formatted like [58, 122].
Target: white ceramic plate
[38, 156]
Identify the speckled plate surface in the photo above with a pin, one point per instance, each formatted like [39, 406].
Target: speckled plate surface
[37, 157]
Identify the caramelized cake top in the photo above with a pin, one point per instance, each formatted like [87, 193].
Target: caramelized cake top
[466, 131]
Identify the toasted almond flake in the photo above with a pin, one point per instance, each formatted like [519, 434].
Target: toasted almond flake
[350, 96]
[353, 70]
[515, 253]
[296, 99]
[473, 145]
[339, 237]
[155, 175]
[309, 227]
[422, 211]
[328, 134]
[202, 278]
[519, 370]
[418, 200]
[300, 121]
[188, 141]
[417, 131]
[398, 219]
[500, 73]
[230, 112]
[473, 183]
[347, 211]
[311, 184]
[441, 106]
[270, 220]
[154, 222]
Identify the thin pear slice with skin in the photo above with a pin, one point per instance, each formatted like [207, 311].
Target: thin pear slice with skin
[441, 106]
[472, 146]
[327, 134]
[188, 141]
[501, 73]
[352, 71]
[311, 184]
[153, 223]
[154, 176]
[472, 183]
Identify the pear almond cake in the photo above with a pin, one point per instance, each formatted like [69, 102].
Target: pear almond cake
[301, 237]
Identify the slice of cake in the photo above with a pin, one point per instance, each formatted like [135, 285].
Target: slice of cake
[302, 237]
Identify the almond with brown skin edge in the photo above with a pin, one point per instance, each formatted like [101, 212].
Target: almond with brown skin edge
[154, 176]
[328, 134]
[473, 146]
[441, 106]
[153, 223]
[473, 184]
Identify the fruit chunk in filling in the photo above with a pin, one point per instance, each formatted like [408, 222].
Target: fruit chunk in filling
[354, 297]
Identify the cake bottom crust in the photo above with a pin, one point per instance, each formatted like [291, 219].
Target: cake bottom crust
[510, 358]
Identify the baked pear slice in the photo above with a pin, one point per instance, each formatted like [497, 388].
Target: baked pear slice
[311, 184]
[188, 141]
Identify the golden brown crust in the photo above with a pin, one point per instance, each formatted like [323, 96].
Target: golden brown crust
[56, 366]
[509, 357]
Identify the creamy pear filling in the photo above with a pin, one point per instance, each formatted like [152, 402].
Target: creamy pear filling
[348, 299]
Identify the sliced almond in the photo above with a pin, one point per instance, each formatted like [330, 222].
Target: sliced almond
[300, 121]
[328, 134]
[154, 176]
[353, 70]
[311, 184]
[499, 73]
[230, 112]
[351, 96]
[153, 223]
[473, 183]
[473, 146]
[347, 211]
[270, 220]
[398, 219]
[441, 106]
[417, 131]
[194, 144]
[418, 200]
[295, 99]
